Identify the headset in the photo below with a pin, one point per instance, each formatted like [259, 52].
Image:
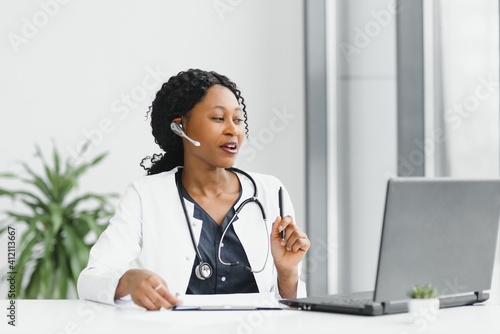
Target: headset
[177, 129]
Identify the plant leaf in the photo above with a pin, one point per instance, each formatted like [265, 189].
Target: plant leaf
[22, 193]
[70, 243]
[20, 217]
[20, 266]
[56, 217]
[9, 193]
[98, 159]
[37, 181]
[34, 287]
[62, 263]
[57, 161]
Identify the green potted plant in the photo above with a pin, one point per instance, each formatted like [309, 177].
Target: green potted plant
[423, 301]
[56, 223]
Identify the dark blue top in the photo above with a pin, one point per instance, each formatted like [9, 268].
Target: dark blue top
[224, 279]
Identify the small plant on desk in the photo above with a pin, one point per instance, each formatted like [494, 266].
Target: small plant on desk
[424, 303]
[425, 292]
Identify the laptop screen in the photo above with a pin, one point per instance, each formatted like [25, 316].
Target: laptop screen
[441, 231]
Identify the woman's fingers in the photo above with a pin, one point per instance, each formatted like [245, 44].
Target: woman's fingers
[295, 238]
[148, 302]
[302, 243]
[151, 292]
[156, 299]
[166, 298]
[284, 225]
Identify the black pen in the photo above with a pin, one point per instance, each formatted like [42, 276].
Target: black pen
[280, 199]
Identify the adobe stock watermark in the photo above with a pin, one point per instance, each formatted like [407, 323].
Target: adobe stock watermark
[120, 110]
[454, 117]
[318, 254]
[453, 288]
[222, 7]
[278, 122]
[86, 312]
[423, 317]
[12, 275]
[32, 26]
[364, 36]
[255, 319]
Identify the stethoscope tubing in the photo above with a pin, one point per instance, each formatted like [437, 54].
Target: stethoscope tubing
[254, 199]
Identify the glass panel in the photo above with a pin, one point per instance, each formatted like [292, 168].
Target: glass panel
[462, 109]
[468, 107]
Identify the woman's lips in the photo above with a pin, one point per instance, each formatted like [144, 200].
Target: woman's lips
[230, 147]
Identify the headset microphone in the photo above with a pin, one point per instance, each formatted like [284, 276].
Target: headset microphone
[177, 128]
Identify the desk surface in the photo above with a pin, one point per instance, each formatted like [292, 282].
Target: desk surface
[76, 316]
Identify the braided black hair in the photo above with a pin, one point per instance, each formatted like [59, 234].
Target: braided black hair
[176, 97]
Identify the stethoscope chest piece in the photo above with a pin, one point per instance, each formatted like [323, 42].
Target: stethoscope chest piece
[203, 271]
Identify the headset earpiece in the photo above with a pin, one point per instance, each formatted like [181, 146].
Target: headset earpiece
[177, 129]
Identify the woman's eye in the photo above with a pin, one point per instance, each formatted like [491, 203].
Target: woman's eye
[218, 119]
[239, 120]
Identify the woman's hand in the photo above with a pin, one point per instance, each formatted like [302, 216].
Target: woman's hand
[288, 253]
[146, 289]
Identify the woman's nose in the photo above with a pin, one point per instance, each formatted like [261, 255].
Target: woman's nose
[232, 128]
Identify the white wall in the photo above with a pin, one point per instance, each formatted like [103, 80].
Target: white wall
[77, 69]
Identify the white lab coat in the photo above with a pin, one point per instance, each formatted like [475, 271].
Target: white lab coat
[149, 230]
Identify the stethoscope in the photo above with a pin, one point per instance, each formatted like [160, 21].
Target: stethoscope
[204, 270]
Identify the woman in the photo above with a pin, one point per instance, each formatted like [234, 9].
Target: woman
[177, 230]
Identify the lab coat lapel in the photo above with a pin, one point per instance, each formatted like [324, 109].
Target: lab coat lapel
[196, 224]
[181, 248]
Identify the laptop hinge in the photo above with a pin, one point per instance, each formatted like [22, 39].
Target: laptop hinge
[481, 296]
[394, 307]
[385, 307]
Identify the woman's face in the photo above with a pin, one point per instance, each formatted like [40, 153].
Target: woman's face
[217, 123]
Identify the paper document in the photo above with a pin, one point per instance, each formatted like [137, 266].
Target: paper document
[236, 301]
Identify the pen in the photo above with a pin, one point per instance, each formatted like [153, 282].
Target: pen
[280, 199]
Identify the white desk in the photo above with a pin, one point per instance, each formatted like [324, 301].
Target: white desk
[75, 316]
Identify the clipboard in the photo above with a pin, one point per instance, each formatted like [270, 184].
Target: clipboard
[229, 302]
[224, 308]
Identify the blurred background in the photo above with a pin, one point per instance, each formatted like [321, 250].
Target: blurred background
[341, 95]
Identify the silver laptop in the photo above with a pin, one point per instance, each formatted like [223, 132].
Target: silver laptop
[441, 231]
